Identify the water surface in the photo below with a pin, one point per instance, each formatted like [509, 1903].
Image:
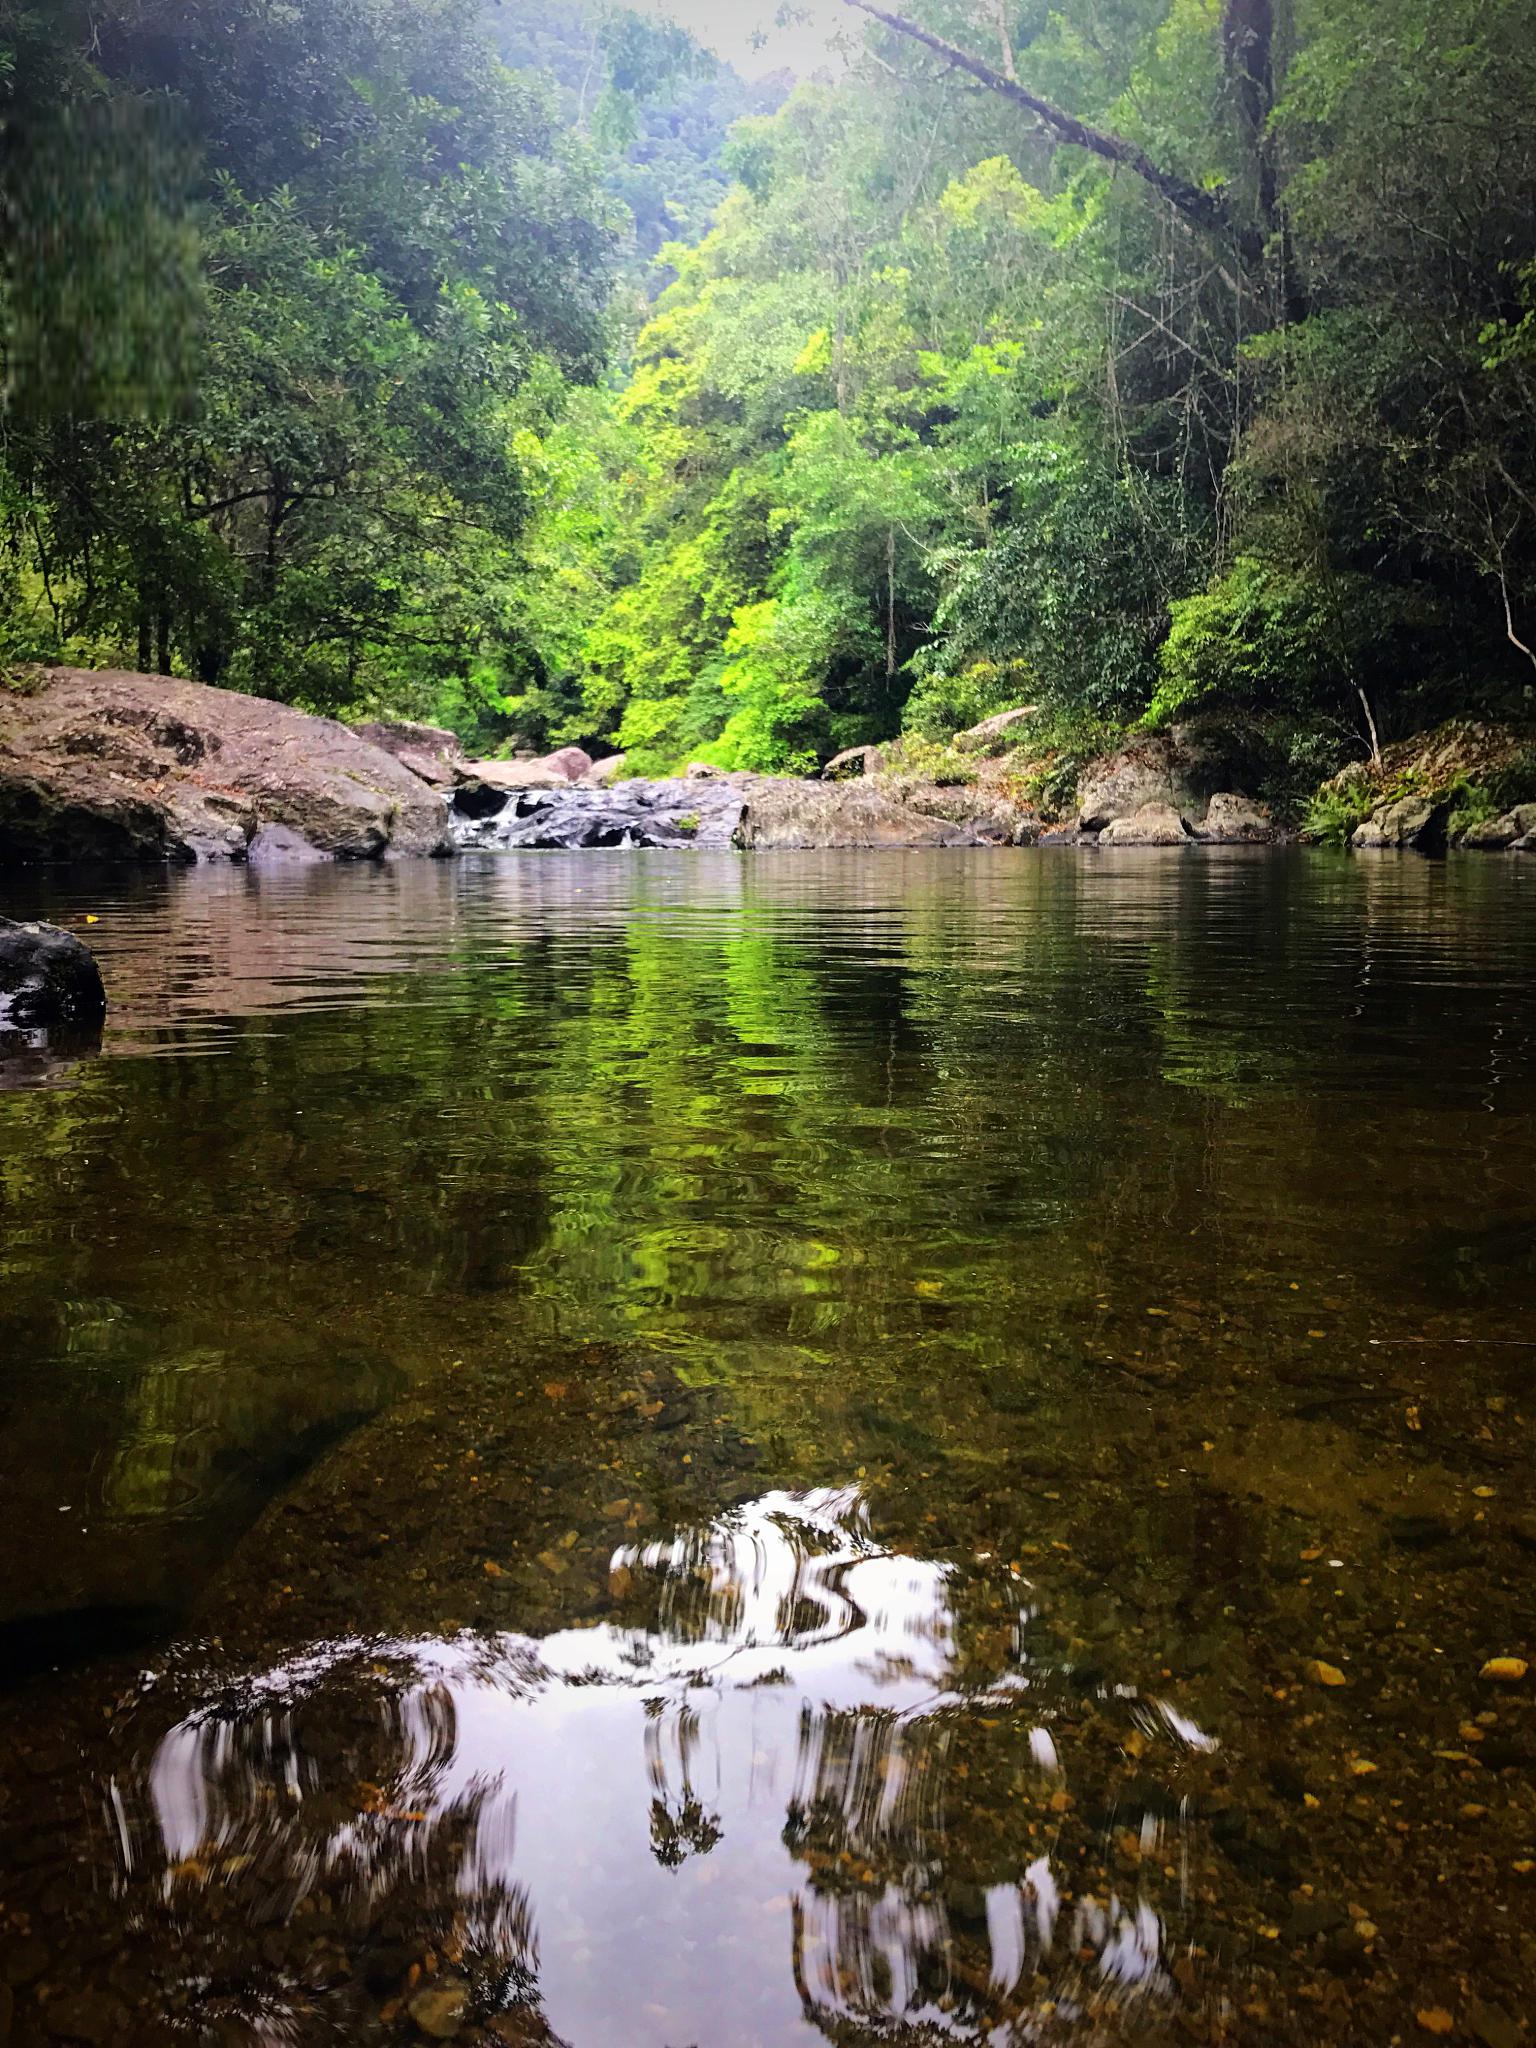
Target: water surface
[704, 1450]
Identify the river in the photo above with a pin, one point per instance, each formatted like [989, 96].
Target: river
[712, 1451]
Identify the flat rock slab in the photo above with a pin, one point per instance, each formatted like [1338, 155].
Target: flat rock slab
[109, 765]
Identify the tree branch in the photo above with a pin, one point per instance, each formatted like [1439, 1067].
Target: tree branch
[1206, 209]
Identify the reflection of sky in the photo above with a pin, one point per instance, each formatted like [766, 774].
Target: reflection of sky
[645, 1817]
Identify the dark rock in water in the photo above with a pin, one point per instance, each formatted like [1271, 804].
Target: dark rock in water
[109, 765]
[48, 978]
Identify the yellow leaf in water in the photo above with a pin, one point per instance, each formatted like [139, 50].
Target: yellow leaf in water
[91, 920]
[1325, 1674]
[555, 1389]
[1505, 1670]
[1434, 2019]
[927, 1286]
[1482, 1493]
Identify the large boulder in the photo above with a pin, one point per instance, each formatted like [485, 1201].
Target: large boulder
[1152, 825]
[109, 765]
[1232, 820]
[981, 739]
[1501, 835]
[48, 978]
[430, 751]
[1412, 823]
[788, 815]
[545, 771]
[612, 768]
[1157, 771]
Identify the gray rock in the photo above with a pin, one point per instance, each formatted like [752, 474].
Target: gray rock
[1494, 835]
[430, 751]
[702, 771]
[546, 771]
[1152, 825]
[753, 811]
[853, 762]
[611, 769]
[1414, 823]
[1152, 772]
[1235, 821]
[48, 978]
[788, 815]
[634, 813]
[979, 739]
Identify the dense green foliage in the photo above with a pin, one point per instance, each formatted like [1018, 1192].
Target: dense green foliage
[294, 470]
[945, 404]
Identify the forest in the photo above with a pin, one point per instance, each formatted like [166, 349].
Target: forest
[525, 369]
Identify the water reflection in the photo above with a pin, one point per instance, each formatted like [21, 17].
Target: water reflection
[753, 1796]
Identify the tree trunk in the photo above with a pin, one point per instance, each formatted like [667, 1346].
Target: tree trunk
[890, 604]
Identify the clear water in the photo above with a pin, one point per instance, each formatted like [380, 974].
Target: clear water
[661, 1450]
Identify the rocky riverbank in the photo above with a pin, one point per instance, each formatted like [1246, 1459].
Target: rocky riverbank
[107, 765]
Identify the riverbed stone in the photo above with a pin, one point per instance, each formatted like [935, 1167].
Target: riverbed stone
[439, 2011]
[92, 2017]
[48, 977]
[1152, 825]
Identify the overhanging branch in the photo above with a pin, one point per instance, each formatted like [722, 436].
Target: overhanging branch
[1205, 209]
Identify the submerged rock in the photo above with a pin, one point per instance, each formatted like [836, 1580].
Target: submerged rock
[108, 765]
[1152, 825]
[47, 978]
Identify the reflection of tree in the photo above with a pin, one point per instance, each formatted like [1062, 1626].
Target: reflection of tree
[409, 1785]
[680, 1825]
